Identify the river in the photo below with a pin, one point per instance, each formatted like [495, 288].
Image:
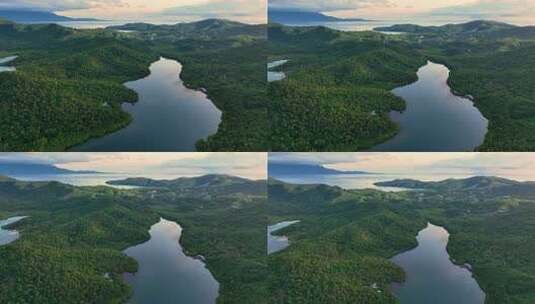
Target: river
[8, 236]
[277, 243]
[431, 277]
[166, 274]
[435, 120]
[168, 117]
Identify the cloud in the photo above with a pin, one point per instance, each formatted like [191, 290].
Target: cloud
[489, 9]
[323, 5]
[519, 166]
[56, 5]
[246, 9]
[249, 165]
[252, 11]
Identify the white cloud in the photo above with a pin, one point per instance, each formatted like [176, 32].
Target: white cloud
[56, 5]
[243, 10]
[249, 165]
[253, 11]
[519, 166]
[323, 5]
[490, 9]
[418, 11]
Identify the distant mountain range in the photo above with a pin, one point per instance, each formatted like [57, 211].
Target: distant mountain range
[473, 27]
[207, 29]
[282, 169]
[479, 183]
[295, 17]
[206, 184]
[37, 16]
[17, 169]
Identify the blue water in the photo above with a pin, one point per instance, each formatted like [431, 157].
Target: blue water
[435, 119]
[8, 236]
[169, 117]
[5, 60]
[274, 75]
[277, 243]
[431, 277]
[166, 275]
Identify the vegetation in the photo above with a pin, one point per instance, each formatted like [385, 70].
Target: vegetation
[345, 238]
[70, 250]
[228, 60]
[336, 80]
[337, 93]
[68, 84]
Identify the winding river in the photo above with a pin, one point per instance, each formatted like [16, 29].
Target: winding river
[167, 117]
[431, 276]
[5, 60]
[435, 118]
[277, 243]
[166, 274]
[8, 236]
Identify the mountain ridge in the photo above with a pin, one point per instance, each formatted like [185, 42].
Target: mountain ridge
[14, 169]
[37, 16]
[292, 17]
[305, 169]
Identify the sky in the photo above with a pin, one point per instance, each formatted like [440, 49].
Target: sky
[520, 12]
[518, 166]
[247, 165]
[249, 11]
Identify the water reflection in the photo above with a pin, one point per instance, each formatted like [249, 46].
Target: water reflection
[167, 117]
[273, 75]
[8, 236]
[431, 276]
[7, 60]
[166, 274]
[435, 118]
[277, 243]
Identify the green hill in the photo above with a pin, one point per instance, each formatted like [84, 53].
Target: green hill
[340, 250]
[336, 96]
[74, 236]
[68, 86]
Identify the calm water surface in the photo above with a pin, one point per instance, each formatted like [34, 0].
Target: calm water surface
[93, 179]
[100, 24]
[358, 26]
[363, 181]
[273, 75]
[435, 118]
[431, 276]
[167, 117]
[166, 274]
[8, 236]
[277, 243]
[5, 60]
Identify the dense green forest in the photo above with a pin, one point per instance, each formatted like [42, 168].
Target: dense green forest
[70, 250]
[345, 239]
[68, 84]
[336, 96]
[337, 93]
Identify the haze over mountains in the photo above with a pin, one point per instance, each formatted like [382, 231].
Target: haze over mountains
[18, 15]
[14, 169]
[279, 169]
[293, 17]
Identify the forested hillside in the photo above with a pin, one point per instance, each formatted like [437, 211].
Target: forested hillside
[345, 239]
[68, 84]
[336, 95]
[71, 244]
